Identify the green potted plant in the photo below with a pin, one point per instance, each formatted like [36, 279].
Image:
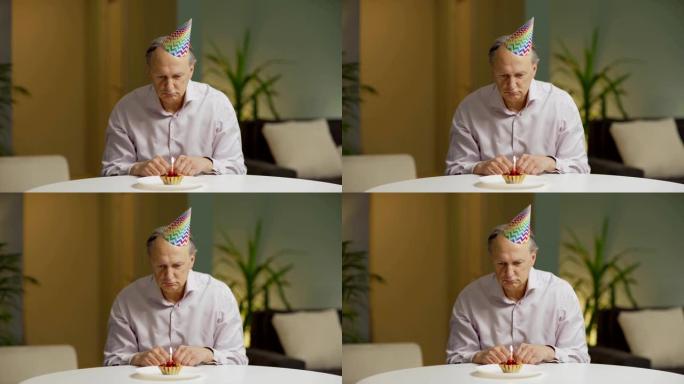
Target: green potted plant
[352, 91]
[6, 100]
[598, 275]
[247, 84]
[594, 84]
[258, 275]
[11, 288]
[355, 287]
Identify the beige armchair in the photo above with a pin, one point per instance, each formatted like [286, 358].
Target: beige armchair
[21, 173]
[363, 172]
[362, 360]
[21, 362]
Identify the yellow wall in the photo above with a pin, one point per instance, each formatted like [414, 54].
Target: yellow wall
[424, 57]
[48, 56]
[409, 248]
[78, 58]
[428, 247]
[61, 250]
[397, 57]
[84, 249]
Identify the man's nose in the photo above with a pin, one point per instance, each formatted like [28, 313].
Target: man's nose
[511, 83]
[168, 274]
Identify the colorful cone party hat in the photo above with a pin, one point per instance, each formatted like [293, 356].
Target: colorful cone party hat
[178, 43]
[178, 232]
[518, 230]
[520, 42]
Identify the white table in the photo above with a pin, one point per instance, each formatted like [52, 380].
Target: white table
[553, 373]
[224, 374]
[212, 183]
[556, 183]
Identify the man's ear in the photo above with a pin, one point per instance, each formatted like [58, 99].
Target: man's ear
[533, 255]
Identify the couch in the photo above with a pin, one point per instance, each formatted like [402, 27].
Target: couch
[611, 345]
[265, 347]
[604, 157]
[258, 157]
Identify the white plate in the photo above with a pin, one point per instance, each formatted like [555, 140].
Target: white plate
[155, 183]
[498, 182]
[494, 371]
[153, 373]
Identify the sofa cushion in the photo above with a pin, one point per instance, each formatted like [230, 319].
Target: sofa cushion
[305, 146]
[654, 146]
[315, 337]
[655, 334]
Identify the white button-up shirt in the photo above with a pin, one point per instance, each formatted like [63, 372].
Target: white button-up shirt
[549, 125]
[207, 316]
[548, 314]
[206, 126]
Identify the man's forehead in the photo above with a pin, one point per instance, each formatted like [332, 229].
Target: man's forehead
[161, 59]
[162, 249]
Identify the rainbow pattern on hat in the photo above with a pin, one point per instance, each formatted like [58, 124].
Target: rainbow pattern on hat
[518, 230]
[520, 42]
[178, 43]
[178, 232]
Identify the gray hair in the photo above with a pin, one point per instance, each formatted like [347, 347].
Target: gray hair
[499, 42]
[499, 230]
[156, 43]
[159, 232]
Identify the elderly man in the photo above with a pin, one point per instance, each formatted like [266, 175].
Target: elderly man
[519, 308]
[173, 117]
[519, 116]
[191, 313]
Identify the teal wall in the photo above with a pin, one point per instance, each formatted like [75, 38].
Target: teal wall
[545, 224]
[307, 223]
[649, 31]
[306, 34]
[652, 222]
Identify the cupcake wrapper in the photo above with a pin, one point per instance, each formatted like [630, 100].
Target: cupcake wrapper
[513, 179]
[171, 180]
[170, 370]
[509, 368]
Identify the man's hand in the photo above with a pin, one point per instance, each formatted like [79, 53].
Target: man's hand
[156, 356]
[155, 167]
[534, 354]
[535, 164]
[497, 166]
[191, 356]
[191, 165]
[494, 355]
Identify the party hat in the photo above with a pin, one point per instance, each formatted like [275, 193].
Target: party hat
[518, 230]
[520, 42]
[178, 232]
[178, 43]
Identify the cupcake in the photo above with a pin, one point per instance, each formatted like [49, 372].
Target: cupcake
[171, 178]
[170, 368]
[514, 177]
[510, 366]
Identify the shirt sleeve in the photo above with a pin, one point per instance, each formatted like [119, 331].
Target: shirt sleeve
[571, 154]
[228, 346]
[463, 341]
[464, 152]
[121, 342]
[571, 342]
[119, 153]
[227, 155]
